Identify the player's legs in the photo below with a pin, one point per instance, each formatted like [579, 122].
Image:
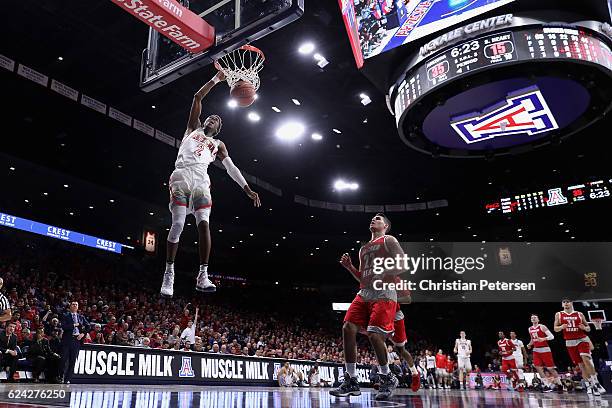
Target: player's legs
[179, 193]
[356, 317]
[588, 369]
[201, 206]
[380, 326]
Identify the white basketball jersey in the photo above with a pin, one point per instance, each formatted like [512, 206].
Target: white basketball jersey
[431, 362]
[463, 347]
[518, 353]
[197, 148]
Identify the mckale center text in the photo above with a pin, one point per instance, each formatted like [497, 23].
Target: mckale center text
[429, 285]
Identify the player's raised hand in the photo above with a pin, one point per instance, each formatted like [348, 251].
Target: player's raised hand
[220, 76]
[345, 260]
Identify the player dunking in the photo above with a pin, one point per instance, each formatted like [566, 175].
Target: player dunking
[463, 350]
[371, 310]
[190, 186]
[542, 356]
[506, 350]
[574, 327]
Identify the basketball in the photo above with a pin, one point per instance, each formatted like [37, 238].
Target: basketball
[244, 93]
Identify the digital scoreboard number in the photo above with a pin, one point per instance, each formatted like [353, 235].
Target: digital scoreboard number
[552, 197]
[496, 49]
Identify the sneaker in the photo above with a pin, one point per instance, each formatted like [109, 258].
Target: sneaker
[203, 284]
[167, 289]
[596, 391]
[349, 387]
[388, 384]
[547, 389]
[415, 385]
[600, 388]
[589, 390]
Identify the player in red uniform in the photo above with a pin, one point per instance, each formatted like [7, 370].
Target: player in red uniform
[399, 339]
[373, 309]
[574, 327]
[542, 356]
[506, 348]
[441, 369]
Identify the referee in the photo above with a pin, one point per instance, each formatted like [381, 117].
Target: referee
[5, 306]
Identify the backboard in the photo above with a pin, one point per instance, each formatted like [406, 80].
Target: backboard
[236, 23]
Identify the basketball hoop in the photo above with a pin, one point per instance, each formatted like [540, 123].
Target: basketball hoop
[598, 323]
[242, 64]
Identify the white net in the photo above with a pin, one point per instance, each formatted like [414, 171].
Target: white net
[242, 64]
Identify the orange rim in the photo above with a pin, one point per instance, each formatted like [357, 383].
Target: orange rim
[246, 48]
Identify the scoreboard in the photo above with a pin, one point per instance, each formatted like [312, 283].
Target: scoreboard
[501, 48]
[463, 76]
[551, 197]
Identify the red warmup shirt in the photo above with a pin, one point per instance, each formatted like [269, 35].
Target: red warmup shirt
[450, 365]
[440, 361]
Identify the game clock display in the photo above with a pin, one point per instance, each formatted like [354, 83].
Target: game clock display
[551, 197]
[510, 46]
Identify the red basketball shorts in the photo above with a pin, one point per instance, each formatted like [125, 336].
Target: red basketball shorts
[508, 365]
[375, 316]
[577, 348]
[544, 359]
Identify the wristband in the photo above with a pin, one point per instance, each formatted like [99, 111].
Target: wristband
[215, 80]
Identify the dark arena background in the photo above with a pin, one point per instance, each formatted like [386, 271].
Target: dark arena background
[448, 159]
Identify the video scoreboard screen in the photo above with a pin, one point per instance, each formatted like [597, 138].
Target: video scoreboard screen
[551, 197]
[376, 26]
[511, 46]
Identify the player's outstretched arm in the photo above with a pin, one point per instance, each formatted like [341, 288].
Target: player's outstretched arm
[235, 174]
[196, 105]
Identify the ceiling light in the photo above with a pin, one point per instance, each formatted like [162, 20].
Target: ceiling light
[111, 200]
[519, 230]
[253, 117]
[153, 106]
[306, 48]
[363, 96]
[275, 109]
[296, 102]
[316, 136]
[321, 60]
[150, 213]
[91, 207]
[572, 237]
[474, 235]
[251, 234]
[365, 99]
[336, 131]
[342, 185]
[71, 213]
[290, 131]
[233, 247]
[220, 230]
[12, 168]
[560, 223]
[27, 201]
[65, 185]
[60, 58]
[46, 194]
[232, 103]
[566, 230]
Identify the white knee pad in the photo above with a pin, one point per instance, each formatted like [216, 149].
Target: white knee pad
[178, 222]
[202, 215]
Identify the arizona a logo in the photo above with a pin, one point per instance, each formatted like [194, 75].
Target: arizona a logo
[522, 112]
[186, 369]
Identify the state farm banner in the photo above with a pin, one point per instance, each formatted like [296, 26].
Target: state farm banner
[171, 19]
[130, 365]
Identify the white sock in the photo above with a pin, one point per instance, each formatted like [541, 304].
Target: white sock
[413, 370]
[351, 369]
[384, 369]
[594, 379]
[204, 270]
[169, 266]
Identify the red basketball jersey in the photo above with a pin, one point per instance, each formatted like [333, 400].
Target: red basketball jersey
[537, 332]
[572, 331]
[506, 347]
[367, 254]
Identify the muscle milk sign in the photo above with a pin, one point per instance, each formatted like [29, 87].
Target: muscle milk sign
[174, 21]
[135, 365]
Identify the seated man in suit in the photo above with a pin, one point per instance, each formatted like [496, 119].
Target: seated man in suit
[8, 350]
[42, 357]
[75, 326]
